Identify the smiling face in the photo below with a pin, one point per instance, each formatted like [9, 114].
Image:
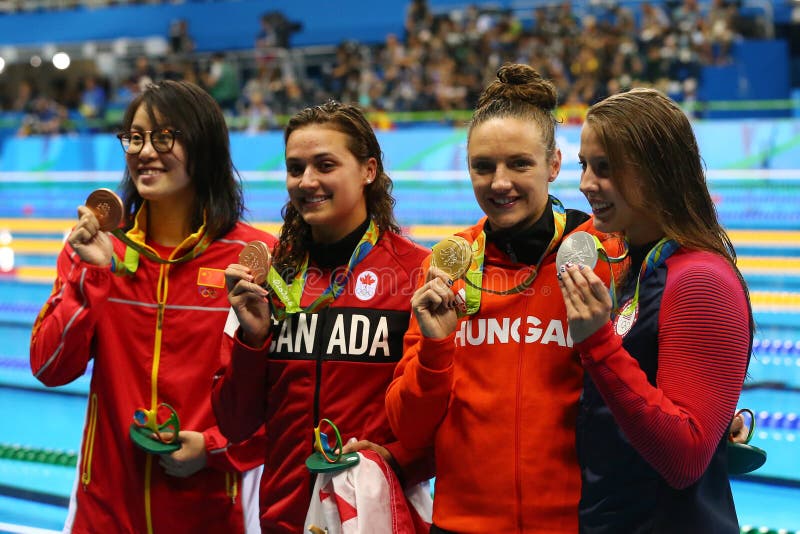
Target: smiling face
[612, 211]
[326, 182]
[159, 177]
[510, 171]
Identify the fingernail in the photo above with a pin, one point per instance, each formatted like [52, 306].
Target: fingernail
[449, 282]
[558, 275]
[580, 267]
[563, 268]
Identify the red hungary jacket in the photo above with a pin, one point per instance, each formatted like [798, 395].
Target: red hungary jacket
[501, 405]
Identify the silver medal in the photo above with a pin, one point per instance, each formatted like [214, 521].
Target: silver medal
[577, 248]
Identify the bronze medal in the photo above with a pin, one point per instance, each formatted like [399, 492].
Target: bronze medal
[107, 207]
[255, 255]
[453, 255]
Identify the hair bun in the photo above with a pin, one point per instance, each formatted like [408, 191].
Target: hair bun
[519, 84]
[517, 74]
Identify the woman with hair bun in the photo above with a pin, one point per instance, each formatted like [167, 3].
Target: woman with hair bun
[489, 376]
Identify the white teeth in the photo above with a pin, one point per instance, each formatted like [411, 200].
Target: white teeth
[600, 205]
[503, 201]
[316, 199]
[149, 171]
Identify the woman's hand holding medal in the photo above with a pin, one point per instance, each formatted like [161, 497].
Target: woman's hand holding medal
[89, 238]
[246, 292]
[435, 304]
[585, 295]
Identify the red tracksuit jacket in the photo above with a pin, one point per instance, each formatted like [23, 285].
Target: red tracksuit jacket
[334, 364]
[154, 337]
[500, 407]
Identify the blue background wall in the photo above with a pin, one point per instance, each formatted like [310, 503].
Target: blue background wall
[748, 144]
[213, 25]
[760, 70]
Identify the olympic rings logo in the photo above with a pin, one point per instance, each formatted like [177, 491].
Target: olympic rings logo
[207, 292]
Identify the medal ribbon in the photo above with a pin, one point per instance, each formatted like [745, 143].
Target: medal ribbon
[474, 276]
[609, 260]
[655, 258]
[289, 296]
[134, 249]
[140, 249]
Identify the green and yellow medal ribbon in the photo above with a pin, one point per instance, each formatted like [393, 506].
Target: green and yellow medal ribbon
[655, 258]
[288, 297]
[601, 252]
[474, 275]
[198, 241]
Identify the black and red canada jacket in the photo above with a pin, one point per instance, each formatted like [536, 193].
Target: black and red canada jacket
[334, 364]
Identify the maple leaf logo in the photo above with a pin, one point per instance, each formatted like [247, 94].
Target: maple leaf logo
[367, 279]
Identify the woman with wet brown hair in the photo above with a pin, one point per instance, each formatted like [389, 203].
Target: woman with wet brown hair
[363, 144]
[322, 343]
[666, 353]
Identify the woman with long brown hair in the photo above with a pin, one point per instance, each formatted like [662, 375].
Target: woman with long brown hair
[667, 351]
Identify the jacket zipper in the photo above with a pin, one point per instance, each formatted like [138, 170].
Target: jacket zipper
[317, 387]
[161, 298]
[232, 485]
[517, 432]
[318, 380]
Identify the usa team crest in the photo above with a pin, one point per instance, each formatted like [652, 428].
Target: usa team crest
[626, 318]
[366, 285]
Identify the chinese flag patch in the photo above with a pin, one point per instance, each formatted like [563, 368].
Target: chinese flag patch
[211, 277]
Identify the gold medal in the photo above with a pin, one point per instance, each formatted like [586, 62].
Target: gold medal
[453, 255]
[256, 256]
[107, 207]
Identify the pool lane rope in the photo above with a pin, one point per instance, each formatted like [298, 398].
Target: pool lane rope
[36, 455]
[69, 459]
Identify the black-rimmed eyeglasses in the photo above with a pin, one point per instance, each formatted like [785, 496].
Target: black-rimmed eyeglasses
[162, 140]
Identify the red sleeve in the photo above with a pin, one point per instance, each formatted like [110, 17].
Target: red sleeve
[62, 334]
[247, 451]
[223, 455]
[412, 465]
[240, 394]
[703, 344]
[417, 398]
